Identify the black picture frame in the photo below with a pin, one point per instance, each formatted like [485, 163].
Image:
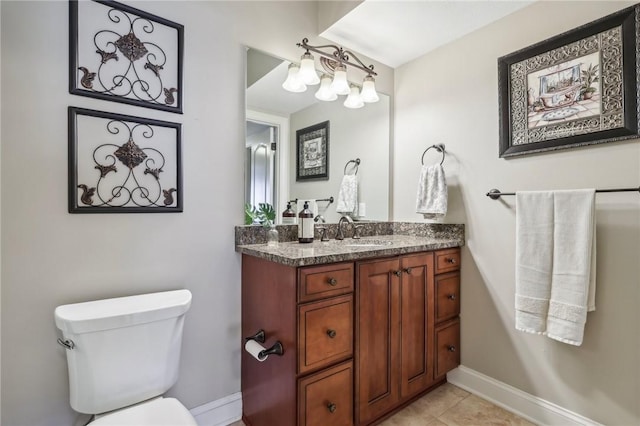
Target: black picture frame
[126, 55]
[312, 152]
[123, 164]
[543, 99]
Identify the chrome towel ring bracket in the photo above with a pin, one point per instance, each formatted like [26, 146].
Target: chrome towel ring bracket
[357, 163]
[439, 148]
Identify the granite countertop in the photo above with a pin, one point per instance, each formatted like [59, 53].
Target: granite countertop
[293, 253]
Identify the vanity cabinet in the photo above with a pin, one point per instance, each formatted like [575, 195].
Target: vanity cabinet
[361, 338]
[394, 332]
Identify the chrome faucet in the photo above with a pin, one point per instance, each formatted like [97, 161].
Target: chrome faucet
[319, 218]
[343, 219]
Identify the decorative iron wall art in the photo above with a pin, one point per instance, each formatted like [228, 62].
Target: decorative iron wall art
[123, 164]
[123, 54]
[578, 88]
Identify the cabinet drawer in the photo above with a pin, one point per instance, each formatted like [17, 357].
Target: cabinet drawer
[325, 332]
[326, 398]
[447, 296]
[319, 282]
[447, 260]
[447, 348]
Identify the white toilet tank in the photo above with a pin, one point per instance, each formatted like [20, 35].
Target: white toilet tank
[125, 350]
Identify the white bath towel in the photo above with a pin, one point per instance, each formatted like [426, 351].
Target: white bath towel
[534, 259]
[431, 200]
[555, 262]
[573, 279]
[348, 195]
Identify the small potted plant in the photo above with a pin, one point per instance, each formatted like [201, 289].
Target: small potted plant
[264, 215]
[589, 76]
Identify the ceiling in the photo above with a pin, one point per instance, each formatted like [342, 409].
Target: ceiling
[396, 32]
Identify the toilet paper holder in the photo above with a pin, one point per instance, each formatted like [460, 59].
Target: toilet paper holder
[260, 337]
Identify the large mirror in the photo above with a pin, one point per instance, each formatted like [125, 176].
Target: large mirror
[274, 115]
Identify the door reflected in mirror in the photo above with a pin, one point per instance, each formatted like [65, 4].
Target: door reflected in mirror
[273, 117]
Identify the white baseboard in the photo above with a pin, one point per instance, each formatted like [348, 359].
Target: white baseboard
[532, 408]
[221, 412]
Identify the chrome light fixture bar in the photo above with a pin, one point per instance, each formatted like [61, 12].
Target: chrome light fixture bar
[334, 60]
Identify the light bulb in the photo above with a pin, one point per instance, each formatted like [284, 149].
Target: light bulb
[325, 93]
[354, 100]
[369, 93]
[293, 83]
[340, 85]
[308, 74]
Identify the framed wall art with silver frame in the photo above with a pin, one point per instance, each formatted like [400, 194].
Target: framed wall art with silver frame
[123, 164]
[312, 152]
[579, 88]
[122, 54]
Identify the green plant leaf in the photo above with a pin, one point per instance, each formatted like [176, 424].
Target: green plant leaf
[250, 214]
[266, 214]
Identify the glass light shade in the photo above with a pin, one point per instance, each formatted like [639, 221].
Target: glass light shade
[340, 85]
[325, 93]
[293, 83]
[369, 93]
[308, 74]
[354, 100]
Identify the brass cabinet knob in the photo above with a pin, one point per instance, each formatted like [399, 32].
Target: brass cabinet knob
[331, 407]
[451, 297]
[397, 273]
[332, 281]
[408, 270]
[451, 348]
[450, 260]
[331, 333]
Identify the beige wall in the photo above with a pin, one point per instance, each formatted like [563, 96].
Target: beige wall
[51, 257]
[451, 96]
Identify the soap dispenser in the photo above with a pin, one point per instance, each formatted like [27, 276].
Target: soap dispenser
[305, 224]
[289, 216]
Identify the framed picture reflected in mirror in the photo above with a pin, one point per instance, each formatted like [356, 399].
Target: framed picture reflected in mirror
[312, 152]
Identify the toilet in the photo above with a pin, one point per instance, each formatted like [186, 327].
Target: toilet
[123, 355]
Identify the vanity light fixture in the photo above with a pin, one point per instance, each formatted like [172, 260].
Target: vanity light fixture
[354, 100]
[293, 82]
[335, 60]
[325, 93]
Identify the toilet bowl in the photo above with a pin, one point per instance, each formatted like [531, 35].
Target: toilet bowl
[123, 354]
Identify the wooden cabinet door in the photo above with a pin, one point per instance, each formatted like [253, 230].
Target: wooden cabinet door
[377, 338]
[416, 371]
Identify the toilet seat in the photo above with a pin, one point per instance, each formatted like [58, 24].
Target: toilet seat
[157, 412]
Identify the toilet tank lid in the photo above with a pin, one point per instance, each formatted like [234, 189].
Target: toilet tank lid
[121, 312]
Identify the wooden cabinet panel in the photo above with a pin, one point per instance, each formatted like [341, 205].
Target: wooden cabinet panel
[417, 323]
[447, 347]
[447, 260]
[326, 398]
[447, 296]
[325, 333]
[319, 282]
[377, 338]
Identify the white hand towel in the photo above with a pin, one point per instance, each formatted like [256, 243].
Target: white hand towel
[534, 259]
[573, 279]
[348, 195]
[432, 195]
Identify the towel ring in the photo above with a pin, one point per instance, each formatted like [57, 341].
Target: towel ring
[356, 161]
[439, 148]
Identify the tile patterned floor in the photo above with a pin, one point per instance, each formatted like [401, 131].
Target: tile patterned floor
[449, 405]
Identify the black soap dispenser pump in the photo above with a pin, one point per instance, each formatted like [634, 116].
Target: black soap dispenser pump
[305, 225]
[289, 216]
